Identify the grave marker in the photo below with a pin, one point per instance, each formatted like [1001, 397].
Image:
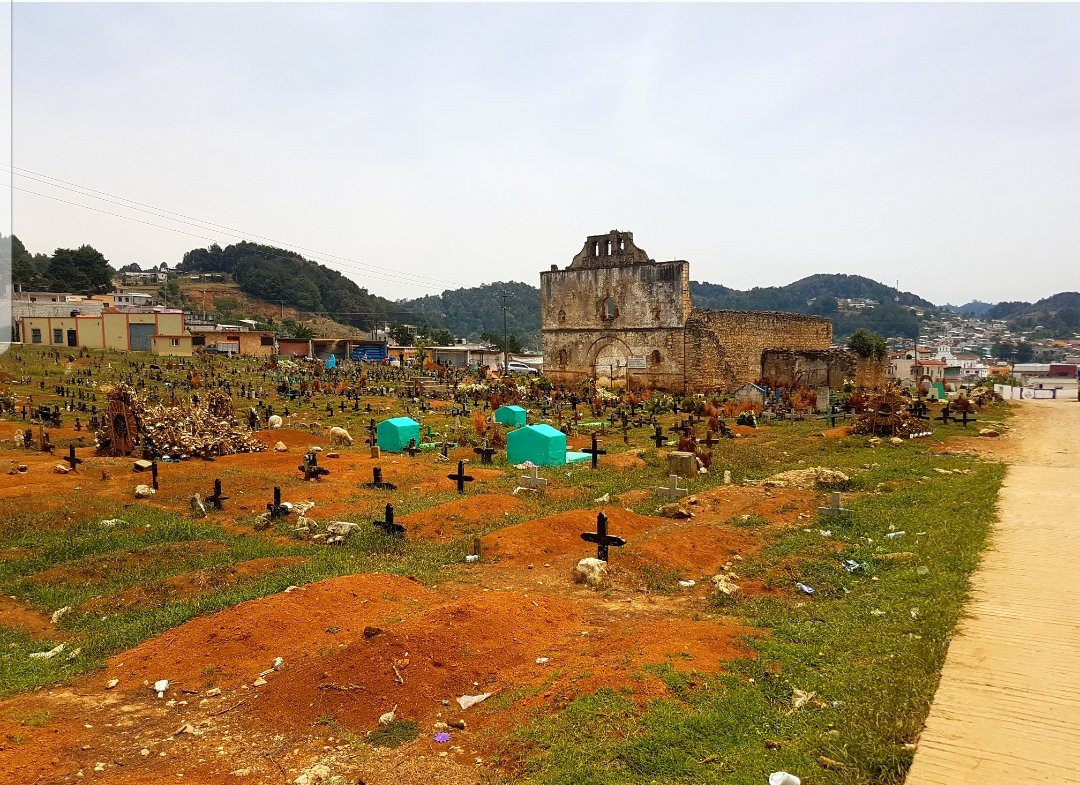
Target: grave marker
[533, 480]
[388, 525]
[594, 451]
[834, 507]
[377, 481]
[71, 459]
[276, 508]
[217, 499]
[602, 539]
[672, 490]
[461, 477]
[485, 452]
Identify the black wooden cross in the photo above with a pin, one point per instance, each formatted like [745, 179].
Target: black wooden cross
[945, 415]
[918, 410]
[217, 498]
[444, 448]
[602, 539]
[71, 459]
[461, 477]
[485, 452]
[310, 467]
[594, 451]
[377, 481]
[658, 437]
[372, 432]
[411, 448]
[710, 439]
[276, 508]
[388, 524]
[153, 474]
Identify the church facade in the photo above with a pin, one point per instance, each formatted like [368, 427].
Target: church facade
[618, 318]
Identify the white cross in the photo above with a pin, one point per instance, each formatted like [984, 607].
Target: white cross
[672, 490]
[533, 480]
[834, 508]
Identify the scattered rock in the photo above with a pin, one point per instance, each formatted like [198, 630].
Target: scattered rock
[61, 469]
[213, 692]
[108, 523]
[814, 477]
[371, 632]
[830, 764]
[58, 614]
[144, 491]
[160, 686]
[333, 455]
[198, 509]
[676, 510]
[319, 774]
[259, 682]
[896, 440]
[389, 716]
[591, 571]
[111, 684]
[143, 465]
[47, 655]
[280, 447]
[989, 432]
[724, 584]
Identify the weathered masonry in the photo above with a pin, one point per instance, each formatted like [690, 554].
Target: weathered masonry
[620, 318]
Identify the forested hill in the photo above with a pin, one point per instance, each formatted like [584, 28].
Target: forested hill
[1058, 314]
[470, 312]
[277, 275]
[819, 294]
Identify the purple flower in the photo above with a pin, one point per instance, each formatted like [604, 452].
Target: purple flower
[442, 737]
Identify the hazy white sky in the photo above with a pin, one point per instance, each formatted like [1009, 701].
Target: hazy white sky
[422, 147]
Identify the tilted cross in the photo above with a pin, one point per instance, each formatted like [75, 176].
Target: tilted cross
[460, 477]
[310, 467]
[411, 448]
[602, 539]
[388, 525]
[672, 490]
[658, 437]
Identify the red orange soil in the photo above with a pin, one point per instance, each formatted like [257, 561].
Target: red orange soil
[39, 625]
[466, 515]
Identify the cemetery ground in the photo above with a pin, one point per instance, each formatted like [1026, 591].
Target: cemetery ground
[645, 679]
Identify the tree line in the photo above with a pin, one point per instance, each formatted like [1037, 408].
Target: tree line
[82, 270]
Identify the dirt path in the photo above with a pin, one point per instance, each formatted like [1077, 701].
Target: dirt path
[1008, 706]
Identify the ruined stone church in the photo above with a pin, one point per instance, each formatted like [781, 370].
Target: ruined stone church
[620, 318]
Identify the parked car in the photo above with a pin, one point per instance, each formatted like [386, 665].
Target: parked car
[519, 367]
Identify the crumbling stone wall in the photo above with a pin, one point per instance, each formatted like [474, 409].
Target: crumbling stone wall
[819, 368]
[724, 349]
[617, 316]
[870, 372]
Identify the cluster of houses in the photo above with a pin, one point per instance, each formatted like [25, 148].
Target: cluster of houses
[131, 321]
[953, 369]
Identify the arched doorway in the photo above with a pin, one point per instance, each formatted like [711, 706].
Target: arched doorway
[610, 357]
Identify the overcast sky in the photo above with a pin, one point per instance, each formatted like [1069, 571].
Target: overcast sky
[419, 148]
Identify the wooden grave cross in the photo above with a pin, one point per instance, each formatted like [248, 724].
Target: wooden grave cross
[71, 459]
[276, 508]
[602, 539]
[388, 525]
[672, 490]
[153, 474]
[658, 437]
[834, 507]
[411, 448]
[217, 498]
[594, 451]
[310, 467]
[377, 481]
[485, 452]
[373, 439]
[460, 477]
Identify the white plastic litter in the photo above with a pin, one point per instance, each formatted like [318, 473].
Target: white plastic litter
[465, 701]
[687, 584]
[160, 686]
[47, 655]
[389, 716]
[783, 778]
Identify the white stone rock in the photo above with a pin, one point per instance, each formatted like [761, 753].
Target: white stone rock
[591, 571]
[144, 491]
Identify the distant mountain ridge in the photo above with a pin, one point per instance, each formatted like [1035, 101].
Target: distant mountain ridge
[850, 301]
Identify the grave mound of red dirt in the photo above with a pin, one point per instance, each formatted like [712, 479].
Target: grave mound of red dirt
[241, 641]
[442, 483]
[623, 460]
[37, 624]
[839, 432]
[560, 535]
[779, 506]
[487, 642]
[690, 548]
[190, 584]
[466, 515]
[97, 569]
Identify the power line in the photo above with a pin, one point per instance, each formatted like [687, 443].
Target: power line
[160, 212]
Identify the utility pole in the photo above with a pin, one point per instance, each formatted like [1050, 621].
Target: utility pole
[506, 345]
